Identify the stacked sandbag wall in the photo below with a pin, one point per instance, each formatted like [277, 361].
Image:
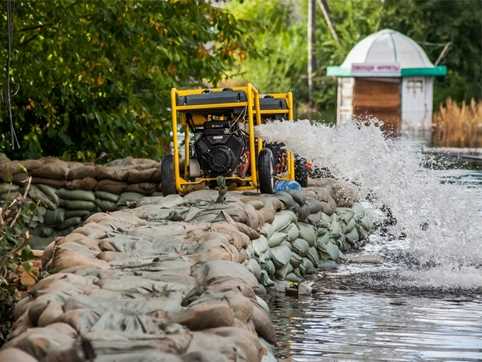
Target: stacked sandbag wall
[180, 278]
[69, 192]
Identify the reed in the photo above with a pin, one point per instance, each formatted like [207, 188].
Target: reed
[457, 125]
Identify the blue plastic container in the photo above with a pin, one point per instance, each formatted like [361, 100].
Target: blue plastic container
[283, 185]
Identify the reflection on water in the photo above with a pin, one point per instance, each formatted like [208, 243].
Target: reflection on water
[345, 325]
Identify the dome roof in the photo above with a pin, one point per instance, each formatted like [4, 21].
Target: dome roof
[388, 47]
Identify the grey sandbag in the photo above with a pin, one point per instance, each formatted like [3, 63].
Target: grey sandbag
[78, 205]
[345, 214]
[68, 223]
[108, 196]
[265, 280]
[276, 239]
[287, 200]
[353, 237]
[329, 248]
[295, 259]
[308, 266]
[268, 265]
[54, 217]
[50, 193]
[45, 231]
[292, 231]
[325, 221]
[129, 197]
[106, 205]
[8, 188]
[37, 195]
[253, 266]
[308, 233]
[300, 246]
[347, 227]
[314, 257]
[82, 195]
[260, 245]
[283, 219]
[77, 213]
[335, 227]
[282, 272]
[298, 196]
[281, 255]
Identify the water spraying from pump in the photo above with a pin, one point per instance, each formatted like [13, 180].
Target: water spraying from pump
[442, 221]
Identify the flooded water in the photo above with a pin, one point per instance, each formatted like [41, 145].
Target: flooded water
[424, 302]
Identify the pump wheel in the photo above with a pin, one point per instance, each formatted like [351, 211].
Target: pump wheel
[301, 171]
[265, 171]
[168, 178]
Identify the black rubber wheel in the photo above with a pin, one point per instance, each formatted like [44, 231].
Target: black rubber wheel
[168, 178]
[265, 171]
[301, 172]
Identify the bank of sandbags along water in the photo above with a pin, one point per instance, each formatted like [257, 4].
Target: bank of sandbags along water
[69, 192]
[181, 278]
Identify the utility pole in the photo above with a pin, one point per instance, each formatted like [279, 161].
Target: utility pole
[311, 27]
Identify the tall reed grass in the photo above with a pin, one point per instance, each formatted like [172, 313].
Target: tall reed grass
[457, 125]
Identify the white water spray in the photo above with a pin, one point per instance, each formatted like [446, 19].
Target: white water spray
[392, 171]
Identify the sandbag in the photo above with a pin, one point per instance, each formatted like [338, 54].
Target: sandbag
[50, 192]
[307, 266]
[112, 186]
[276, 239]
[295, 259]
[77, 213]
[292, 232]
[145, 188]
[72, 221]
[82, 195]
[138, 176]
[314, 257]
[260, 245]
[106, 205]
[300, 246]
[8, 188]
[81, 172]
[50, 182]
[308, 233]
[54, 217]
[111, 173]
[108, 196]
[281, 255]
[282, 220]
[56, 170]
[78, 205]
[15, 355]
[329, 248]
[292, 277]
[253, 266]
[37, 195]
[86, 183]
[129, 197]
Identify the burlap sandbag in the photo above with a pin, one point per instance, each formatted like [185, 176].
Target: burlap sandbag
[50, 182]
[111, 173]
[114, 187]
[54, 169]
[146, 188]
[206, 315]
[38, 342]
[138, 176]
[86, 183]
[82, 171]
[15, 355]
[9, 169]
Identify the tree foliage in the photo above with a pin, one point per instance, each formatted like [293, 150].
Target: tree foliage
[432, 23]
[94, 76]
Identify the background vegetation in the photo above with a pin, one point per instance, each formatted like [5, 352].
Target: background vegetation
[92, 77]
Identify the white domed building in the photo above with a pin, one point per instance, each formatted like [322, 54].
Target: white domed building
[387, 75]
